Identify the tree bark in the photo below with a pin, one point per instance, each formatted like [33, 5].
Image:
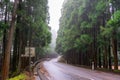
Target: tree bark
[4, 35]
[100, 64]
[105, 57]
[15, 51]
[20, 51]
[114, 49]
[5, 71]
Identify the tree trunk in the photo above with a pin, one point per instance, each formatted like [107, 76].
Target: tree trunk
[20, 51]
[114, 49]
[4, 36]
[100, 64]
[15, 51]
[4, 44]
[17, 41]
[110, 63]
[5, 71]
[105, 57]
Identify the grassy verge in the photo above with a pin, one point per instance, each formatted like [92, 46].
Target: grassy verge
[101, 69]
[19, 77]
[109, 71]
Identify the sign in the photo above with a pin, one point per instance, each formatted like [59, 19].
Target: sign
[31, 50]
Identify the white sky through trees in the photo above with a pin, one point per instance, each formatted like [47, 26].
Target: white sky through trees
[55, 7]
[55, 13]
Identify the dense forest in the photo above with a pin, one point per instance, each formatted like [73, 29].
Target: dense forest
[22, 23]
[90, 32]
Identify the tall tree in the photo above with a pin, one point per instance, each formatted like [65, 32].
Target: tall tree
[5, 72]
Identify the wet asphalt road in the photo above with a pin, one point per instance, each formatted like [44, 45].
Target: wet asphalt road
[60, 71]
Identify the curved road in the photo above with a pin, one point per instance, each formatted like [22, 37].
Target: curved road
[60, 71]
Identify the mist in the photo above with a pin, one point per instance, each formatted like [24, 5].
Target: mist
[53, 41]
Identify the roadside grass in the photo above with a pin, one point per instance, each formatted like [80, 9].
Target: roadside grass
[19, 77]
[117, 71]
[101, 69]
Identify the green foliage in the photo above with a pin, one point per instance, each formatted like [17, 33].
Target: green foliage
[73, 22]
[115, 20]
[19, 77]
[6, 1]
[77, 24]
[35, 20]
[83, 41]
[115, 4]
[87, 30]
[106, 31]
[42, 36]
[100, 6]
[3, 26]
[85, 25]
[114, 24]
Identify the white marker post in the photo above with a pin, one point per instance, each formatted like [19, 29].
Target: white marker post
[93, 66]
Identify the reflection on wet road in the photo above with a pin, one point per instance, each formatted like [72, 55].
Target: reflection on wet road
[59, 74]
[60, 71]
